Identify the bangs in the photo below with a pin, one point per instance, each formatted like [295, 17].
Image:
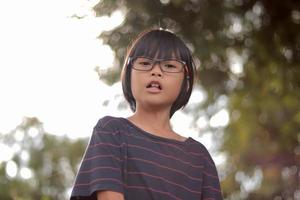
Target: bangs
[160, 45]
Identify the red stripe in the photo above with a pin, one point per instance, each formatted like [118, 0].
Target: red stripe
[174, 146]
[153, 190]
[115, 119]
[147, 149]
[127, 186]
[161, 166]
[163, 143]
[168, 156]
[211, 188]
[98, 180]
[124, 185]
[109, 144]
[170, 182]
[97, 168]
[105, 143]
[209, 174]
[101, 156]
[145, 174]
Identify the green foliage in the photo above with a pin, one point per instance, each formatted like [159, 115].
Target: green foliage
[263, 134]
[52, 161]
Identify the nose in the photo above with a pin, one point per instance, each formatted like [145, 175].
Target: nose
[156, 70]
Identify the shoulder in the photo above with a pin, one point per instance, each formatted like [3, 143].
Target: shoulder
[108, 129]
[198, 145]
[109, 122]
[200, 149]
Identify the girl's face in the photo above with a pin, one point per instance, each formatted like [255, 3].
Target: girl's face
[155, 88]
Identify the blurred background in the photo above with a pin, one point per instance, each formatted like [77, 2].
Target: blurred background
[60, 64]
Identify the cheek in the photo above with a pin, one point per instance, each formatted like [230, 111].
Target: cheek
[135, 84]
[179, 87]
[176, 85]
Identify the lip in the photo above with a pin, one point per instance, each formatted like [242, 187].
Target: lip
[154, 90]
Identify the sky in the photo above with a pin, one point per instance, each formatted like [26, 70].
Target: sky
[47, 70]
[47, 64]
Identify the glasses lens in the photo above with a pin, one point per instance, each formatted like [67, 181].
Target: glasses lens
[143, 64]
[146, 64]
[171, 66]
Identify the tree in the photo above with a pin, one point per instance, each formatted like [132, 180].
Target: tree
[42, 166]
[248, 54]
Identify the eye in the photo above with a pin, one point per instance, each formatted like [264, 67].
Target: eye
[170, 66]
[144, 63]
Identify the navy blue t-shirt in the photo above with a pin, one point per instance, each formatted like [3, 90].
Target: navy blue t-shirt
[123, 158]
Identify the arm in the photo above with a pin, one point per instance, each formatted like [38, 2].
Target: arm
[109, 195]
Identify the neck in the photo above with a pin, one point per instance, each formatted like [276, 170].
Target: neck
[153, 120]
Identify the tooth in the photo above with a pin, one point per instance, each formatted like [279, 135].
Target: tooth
[154, 85]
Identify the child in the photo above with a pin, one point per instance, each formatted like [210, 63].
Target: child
[141, 157]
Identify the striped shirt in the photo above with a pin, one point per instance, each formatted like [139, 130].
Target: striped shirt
[142, 166]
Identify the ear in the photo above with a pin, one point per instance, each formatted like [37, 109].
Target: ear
[187, 78]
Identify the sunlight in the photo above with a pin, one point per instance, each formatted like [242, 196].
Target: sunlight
[26, 173]
[221, 118]
[48, 70]
[25, 156]
[11, 169]
[6, 153]
[202, 122]
[19, 135]
[249, 183]
[235, 62]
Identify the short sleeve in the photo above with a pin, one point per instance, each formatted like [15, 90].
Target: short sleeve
[101, 167]
[211, 188]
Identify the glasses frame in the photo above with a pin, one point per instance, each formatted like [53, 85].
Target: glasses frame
[132, 59]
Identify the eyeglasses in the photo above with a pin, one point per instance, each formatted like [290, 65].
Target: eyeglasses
[166, 65]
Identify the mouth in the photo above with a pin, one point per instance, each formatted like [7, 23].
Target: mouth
[154, 84]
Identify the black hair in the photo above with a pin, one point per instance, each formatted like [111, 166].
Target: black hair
[160, 44]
